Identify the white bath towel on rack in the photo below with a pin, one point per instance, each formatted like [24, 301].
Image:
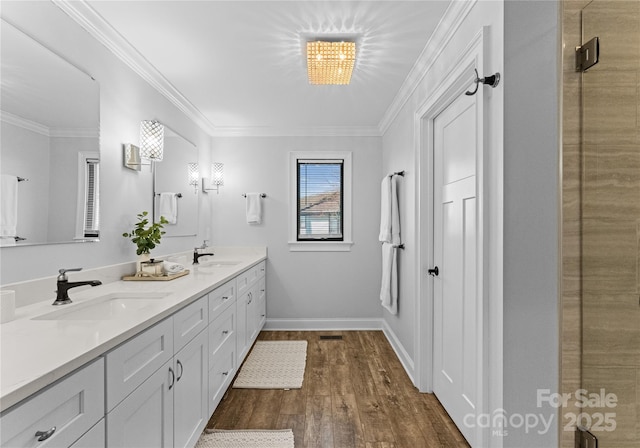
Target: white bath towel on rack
[254, 208]
[389, 287]
[169, 207]
[8, 205]
[389, 211]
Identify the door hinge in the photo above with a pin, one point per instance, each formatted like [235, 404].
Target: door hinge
[588, 54]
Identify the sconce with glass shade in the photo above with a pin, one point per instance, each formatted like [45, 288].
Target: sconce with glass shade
[193, 175]
[151, 140]
[216, 180]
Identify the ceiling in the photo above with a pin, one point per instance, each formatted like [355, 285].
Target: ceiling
[240, 66]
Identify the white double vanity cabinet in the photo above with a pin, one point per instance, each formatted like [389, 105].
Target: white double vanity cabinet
[159, 387]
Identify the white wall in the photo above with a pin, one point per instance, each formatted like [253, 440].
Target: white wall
[531, 212]
[302, 285]
[125, 100]
[399, 153]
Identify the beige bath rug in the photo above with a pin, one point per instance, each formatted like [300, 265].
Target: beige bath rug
[218, 438]
[273, 365]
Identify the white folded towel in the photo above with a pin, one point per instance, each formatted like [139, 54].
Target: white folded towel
[385, 210]
[8, 205]
[172, 268]
[254, 208]
[169, 207]
[7, 241]
[389, 287]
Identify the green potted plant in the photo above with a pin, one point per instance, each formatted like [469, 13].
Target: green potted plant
[146, 236]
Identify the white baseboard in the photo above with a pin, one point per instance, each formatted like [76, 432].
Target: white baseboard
[323, 324]
[401, 353]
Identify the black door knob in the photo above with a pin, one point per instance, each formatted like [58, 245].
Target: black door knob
[434, 272]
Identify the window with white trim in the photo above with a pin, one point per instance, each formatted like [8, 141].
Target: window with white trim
[320, 205]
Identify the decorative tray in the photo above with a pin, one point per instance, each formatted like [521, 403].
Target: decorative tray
[155, 278]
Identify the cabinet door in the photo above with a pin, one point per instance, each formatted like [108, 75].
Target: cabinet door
[190, 394]
[261, 304]
[242, 337]
[65, 411]
[252, 316]
[145, 418]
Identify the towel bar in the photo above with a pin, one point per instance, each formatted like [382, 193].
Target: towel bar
[178, 195]
[262, 195]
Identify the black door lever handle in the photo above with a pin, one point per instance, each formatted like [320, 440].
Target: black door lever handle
[433, 272]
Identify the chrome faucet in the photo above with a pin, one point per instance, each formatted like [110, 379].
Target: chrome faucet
[64, 285]
[197, 255]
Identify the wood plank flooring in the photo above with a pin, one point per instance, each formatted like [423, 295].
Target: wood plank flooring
[355, 394]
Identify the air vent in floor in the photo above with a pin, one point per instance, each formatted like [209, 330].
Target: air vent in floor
[331, 337]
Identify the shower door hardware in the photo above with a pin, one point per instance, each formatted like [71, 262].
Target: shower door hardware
[584, 439]
[433, 272]
[587, 55]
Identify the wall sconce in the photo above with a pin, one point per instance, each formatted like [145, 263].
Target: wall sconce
[216, 180]
[193, 175]
[151, 140]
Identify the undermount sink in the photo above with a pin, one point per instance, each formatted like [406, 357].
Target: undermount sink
[217, 264]
[108, 307]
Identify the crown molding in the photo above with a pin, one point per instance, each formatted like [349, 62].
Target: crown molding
[447, 27]
[16, 120]
[38, 128]
[311, 131]
[89, 19]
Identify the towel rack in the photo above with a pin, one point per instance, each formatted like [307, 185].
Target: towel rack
[397, 173]
[178, 195]
[22, 179]
[262, 195]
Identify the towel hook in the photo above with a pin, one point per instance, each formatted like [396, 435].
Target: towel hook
[492, 81]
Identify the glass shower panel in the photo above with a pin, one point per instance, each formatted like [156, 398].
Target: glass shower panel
[611, 224]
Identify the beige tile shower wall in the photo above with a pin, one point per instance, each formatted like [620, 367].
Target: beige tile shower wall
[611, 218]
[571, 214]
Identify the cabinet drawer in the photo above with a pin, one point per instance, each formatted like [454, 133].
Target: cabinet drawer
[190, 321]
[220, 298]
[71, 406]
[246, 279]
[221, 373]
[222, 329]
[135, 360]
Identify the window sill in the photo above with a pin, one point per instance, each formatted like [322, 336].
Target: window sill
[320, 246]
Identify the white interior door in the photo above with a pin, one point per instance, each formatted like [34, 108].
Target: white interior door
[456, 372]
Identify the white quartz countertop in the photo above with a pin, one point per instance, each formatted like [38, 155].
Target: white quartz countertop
[35, 353]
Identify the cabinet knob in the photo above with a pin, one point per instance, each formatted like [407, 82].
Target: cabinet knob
[225, 331]
[225, 373]
[225, 298]
[44, 435]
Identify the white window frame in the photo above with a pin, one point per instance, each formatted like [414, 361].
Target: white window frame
[320, 246]
[83, 156]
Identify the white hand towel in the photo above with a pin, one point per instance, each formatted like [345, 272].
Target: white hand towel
[254, 208]
[8, 205]
[169, 207]
[172, 268]
[389, 287]
[385, 210]
[395, 212]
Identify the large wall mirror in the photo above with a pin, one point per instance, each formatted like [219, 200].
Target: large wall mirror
[49, 146]
[176, 180]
